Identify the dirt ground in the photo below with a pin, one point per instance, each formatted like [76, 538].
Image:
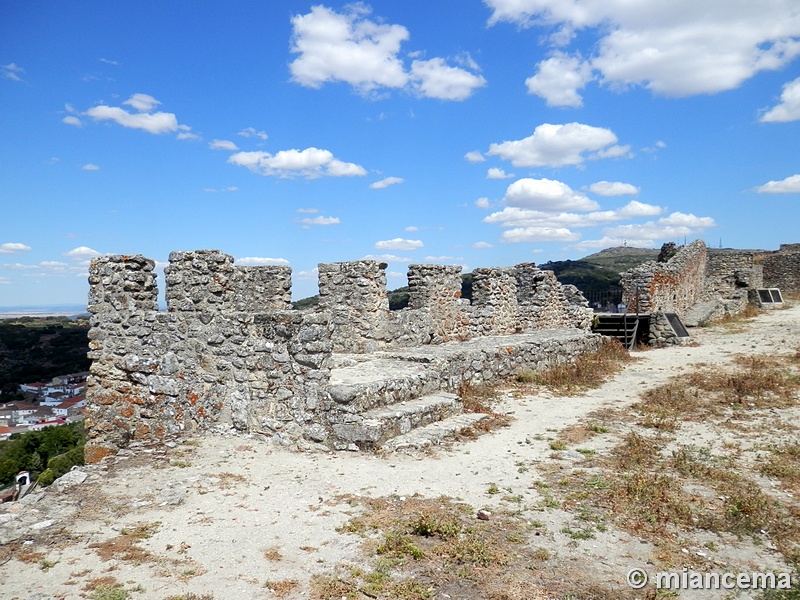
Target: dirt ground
[231, 516]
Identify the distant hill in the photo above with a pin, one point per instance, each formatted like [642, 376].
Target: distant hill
[599, 272]
[622, 258]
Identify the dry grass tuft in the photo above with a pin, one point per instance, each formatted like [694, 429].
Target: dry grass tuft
[663, 406]
[588, 371]
[481, 398]
[663, 492]
[282, 588]
[439, 542]
[273, 554]
[437, 548]
[783, 464]
[125, 546]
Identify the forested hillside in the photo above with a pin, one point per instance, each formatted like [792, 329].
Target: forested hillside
[38, 348]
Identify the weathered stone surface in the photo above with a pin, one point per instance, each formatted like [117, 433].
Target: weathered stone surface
[704, 284]
[229, 353]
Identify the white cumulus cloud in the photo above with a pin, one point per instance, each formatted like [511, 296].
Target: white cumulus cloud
[13, 247]
[347, 47]
[790, 185]
[82, 252]
[351, 48]
[310, 163]
[72, 120]
[789, 107]
[320, 220]
[152, 122]
[674, 48]
[398, 244]
[482, 245]
[613, 188]
[547, 195]
[142, 102]
[384, 183]
[90, 167]
[223, 145]
[559, 78]
[252, 132]
[495, 173]
[436, 79]
[474, 157]
[674, 226]
[639, 209]
[539, 234]
[559, 145]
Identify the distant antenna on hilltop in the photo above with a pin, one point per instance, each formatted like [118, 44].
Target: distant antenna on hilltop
[624, 243]
[720, 242]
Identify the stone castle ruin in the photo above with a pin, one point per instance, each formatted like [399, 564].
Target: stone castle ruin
[700, 284]
[230, 352]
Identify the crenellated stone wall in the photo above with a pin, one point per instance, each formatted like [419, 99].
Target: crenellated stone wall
[230, 352]
[200, 363]
[703, 284]
[674, 286]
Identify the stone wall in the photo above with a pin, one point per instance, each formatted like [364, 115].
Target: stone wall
[494, 306]
[202, 362]
[672, 286]
[229, 352]
[262, 288]
[544, 303]
[435, 289]
[782, 268]
[354, 293]
[729, 271]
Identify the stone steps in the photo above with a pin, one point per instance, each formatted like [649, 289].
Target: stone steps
[433, 433]
[393, 399]
[370, 429]
[366, 385]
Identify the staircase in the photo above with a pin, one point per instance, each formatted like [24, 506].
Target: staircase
[402, 398]
[392, 404]
[624, 326]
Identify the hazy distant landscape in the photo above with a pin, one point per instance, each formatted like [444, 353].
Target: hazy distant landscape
[56, 310]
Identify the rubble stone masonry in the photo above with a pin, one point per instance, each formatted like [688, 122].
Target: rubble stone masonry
[230, 351]
[782, 268]
[672, 286]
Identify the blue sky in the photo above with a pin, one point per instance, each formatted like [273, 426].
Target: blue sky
[480, 133]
